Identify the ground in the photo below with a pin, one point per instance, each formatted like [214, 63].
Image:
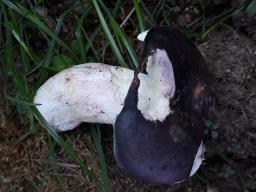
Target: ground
[231, 60]
[230, 161]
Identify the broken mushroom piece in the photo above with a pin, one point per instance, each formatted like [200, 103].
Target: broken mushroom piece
[165, 150]
[95, 93]
[157, 115]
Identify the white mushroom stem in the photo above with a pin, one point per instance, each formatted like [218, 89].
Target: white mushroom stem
[95, 93]
[142, 35]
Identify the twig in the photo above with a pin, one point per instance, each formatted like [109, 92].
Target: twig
[128, 16]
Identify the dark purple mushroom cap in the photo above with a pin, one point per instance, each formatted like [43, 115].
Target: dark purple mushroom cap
[164, 151]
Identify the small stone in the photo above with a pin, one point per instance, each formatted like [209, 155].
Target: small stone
[41, 11]
[181, 20]
[186, 9]
[214, 135]
[196, 11]
[6, 180]
[212, 189]
[188, 18]
[233, 49]
[177, 9]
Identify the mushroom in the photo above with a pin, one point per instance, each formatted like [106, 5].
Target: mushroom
[168, 150]
[95, 92]
[157, 110]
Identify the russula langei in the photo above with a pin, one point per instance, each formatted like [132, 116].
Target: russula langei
[169, 150]
[157, 115]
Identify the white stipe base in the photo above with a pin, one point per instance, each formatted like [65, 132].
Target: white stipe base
[198, 159]
[141, 36]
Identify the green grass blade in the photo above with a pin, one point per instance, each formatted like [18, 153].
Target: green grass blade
[229, 162]
[149, 15]
[67, 148]
[19, 83]
[20, 35]
[34, 19]
[212, 28]
[9, 61]
[17, 36]
[81, 46]
[18, 101]
[25, 59]
[21, 89]
[251, 8]
[17, 30]
[109, 35]
[120, 35]
[158, 8]
[53, 42]
[31, 120]
[118, 5]
[47, 60]
[219, 19]
[139, 15]
[90, 40]
[96, 135]
[118, 31]
[78, 32]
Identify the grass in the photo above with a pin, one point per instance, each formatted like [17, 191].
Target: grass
[94, 36]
